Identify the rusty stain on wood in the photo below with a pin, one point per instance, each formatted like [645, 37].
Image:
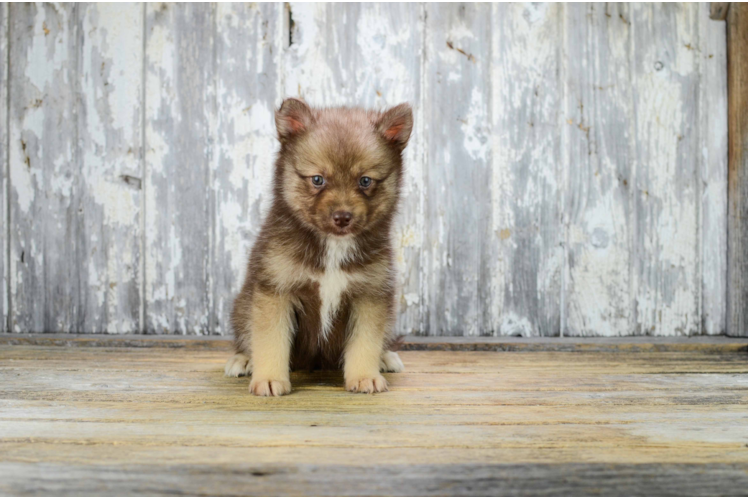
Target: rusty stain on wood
[470, 57]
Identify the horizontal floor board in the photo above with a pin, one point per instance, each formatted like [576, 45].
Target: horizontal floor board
[25, 479]
[129, 420]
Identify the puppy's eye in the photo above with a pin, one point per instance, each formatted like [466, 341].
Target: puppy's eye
[364, 182]
[318, 180]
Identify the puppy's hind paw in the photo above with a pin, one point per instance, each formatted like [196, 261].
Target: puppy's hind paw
[238, 365]
[366, 385]
[391, 362]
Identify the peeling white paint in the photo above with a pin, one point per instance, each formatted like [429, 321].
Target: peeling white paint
[411, 299]
[567, 169]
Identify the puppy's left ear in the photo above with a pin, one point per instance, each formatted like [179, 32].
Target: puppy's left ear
[396, 124]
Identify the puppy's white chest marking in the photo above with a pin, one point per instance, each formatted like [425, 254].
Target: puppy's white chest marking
[334, 281]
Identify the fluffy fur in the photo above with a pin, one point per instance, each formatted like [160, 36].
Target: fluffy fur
[320, 287]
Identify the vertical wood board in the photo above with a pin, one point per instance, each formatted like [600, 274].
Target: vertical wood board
[666, 137]
[598, 122]
[109, 123]
[737, 244]
[712, 154]
[179, 111]
[4, 181]
[249, 43]
[47, 269]
[458, 174]
[526, 180]
[74, 161]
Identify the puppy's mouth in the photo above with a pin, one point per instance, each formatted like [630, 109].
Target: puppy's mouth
[341, 231]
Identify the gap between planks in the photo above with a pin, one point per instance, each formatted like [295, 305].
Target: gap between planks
[706, 344]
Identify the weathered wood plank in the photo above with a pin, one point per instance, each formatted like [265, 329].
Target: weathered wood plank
[249, 44]
[526, 170]
[737, 183]
[91, 374]
[483, 223]
[4, 181]
[666, 169]
[711, 344]
[599, 119]
[156, 417]
[370, 55]
[75, 165]
[400, 432]
[179, 117]
[718, 10]
[712, 60]
[109, 136]
[47, 267]
[437, 480]
[457, 262]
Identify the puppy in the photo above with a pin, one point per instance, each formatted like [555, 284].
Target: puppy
[320, 285]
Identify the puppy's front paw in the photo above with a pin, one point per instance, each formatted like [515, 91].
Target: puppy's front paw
[366, 385]
[391, 362]
[269, 387]
[237, 365]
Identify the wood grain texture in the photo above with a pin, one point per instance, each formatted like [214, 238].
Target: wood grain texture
[611, 421]
[456, 254]
[179, 117]
[4, 180]
[248, 47]
[666, 194]
[109, 138]
[48, 269]
[566, 174]
[370, 55]
[526, 170]
[737, 197]
[712, 60]
[704, 344]
[718, 10]
[420, 480]
[75, 167]
[599, 119]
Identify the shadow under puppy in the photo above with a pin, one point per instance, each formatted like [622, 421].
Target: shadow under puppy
[320, 286]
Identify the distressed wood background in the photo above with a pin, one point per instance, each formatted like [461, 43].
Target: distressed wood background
[567, 174]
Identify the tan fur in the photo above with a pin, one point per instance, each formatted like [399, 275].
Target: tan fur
[365, 347]
[318, 294]
[272, 335]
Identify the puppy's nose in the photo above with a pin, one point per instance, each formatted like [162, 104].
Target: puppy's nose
[342, 219]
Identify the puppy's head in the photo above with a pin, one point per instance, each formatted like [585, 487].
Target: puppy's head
[340, 168]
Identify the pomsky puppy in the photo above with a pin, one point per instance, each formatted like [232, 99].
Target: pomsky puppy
[320, 285]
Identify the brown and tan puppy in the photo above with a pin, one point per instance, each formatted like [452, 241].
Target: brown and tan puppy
[320, 286]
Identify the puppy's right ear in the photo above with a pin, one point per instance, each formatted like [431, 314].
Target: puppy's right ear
[293, 118]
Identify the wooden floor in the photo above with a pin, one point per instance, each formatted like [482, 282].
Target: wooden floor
[164, 421]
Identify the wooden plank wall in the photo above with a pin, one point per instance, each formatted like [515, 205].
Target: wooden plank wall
[567, 174]
[737, 197]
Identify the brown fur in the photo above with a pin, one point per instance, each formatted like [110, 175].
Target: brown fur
[302, 257]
